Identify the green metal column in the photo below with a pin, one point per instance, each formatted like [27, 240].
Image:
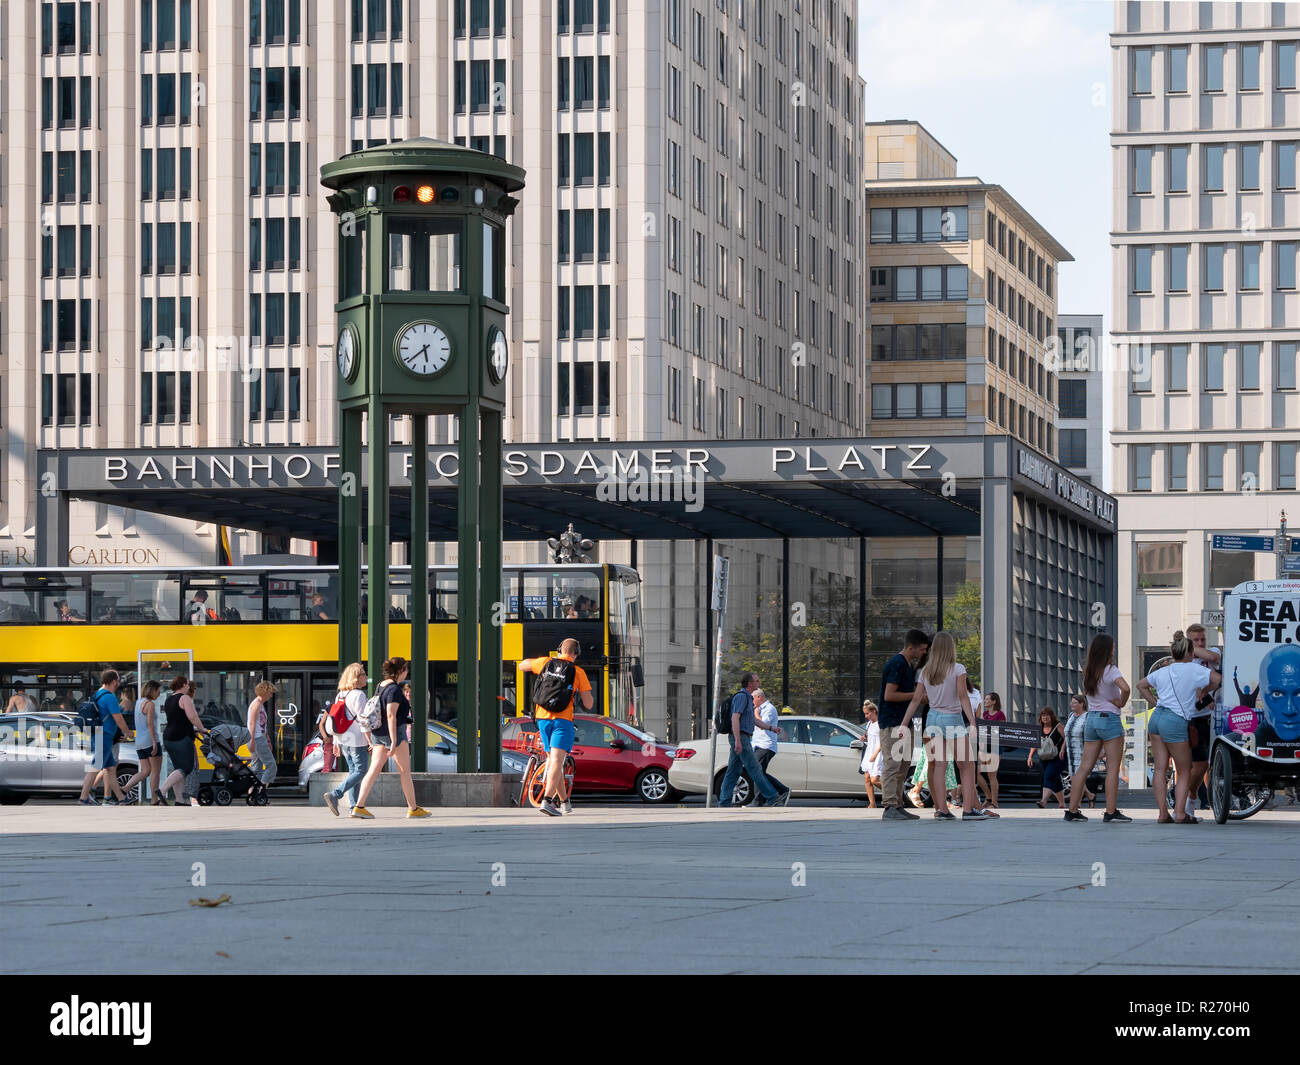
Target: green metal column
[377, 548]
[349, 587]
[467, 506]
[419, 589]
[492, 609]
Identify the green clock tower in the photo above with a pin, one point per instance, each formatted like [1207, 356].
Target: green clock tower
[421, 331]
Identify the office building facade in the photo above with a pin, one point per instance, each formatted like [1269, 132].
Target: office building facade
[1205, 305]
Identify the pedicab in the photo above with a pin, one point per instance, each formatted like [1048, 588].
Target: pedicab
[1255, 744]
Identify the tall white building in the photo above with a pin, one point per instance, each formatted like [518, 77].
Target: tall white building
[688, 261]
[1206, 310]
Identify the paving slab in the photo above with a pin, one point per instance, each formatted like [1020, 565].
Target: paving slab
[638, 889]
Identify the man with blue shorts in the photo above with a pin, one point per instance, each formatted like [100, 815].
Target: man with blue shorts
[103, 739]
[556, 728]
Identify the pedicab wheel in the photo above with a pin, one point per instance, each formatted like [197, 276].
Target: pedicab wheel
[1221, 783]
[1254, 797]
[222, 796]
[205, 796]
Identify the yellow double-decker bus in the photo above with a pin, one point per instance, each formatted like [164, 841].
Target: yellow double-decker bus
[235, 625]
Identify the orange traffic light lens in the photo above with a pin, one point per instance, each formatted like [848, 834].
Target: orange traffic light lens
[424, 194]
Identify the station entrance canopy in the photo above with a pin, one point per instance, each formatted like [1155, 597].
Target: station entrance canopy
[1047, 537]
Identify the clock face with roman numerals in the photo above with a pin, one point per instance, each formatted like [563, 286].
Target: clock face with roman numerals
[423, 349]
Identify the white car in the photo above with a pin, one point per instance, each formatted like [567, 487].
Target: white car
[816, 757]
[441, 756]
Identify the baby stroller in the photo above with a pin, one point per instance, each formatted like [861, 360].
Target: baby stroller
[231, 775]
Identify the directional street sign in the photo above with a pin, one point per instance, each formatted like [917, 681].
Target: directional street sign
[720, 566]
[1243, 543]
[1212, 618]
[1290, 564]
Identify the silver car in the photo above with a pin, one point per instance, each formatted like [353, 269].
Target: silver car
[442, 745]
[47, 754]
[816, 757]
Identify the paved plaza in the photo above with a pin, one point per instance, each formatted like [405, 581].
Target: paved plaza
[683, 889]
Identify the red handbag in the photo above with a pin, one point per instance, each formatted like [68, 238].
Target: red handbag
[339, 719]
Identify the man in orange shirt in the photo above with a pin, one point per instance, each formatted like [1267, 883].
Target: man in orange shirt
[556, 727]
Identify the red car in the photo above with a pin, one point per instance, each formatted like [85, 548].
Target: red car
[610, 755]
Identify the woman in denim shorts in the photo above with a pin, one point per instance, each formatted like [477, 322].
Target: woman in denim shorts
[1106, 691]
[951, 724]
[1174, 689]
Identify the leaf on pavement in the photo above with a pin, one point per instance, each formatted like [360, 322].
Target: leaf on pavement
[210, 902]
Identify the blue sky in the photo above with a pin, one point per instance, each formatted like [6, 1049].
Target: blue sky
[1019, 91]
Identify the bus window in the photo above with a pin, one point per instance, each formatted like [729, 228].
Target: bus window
[129, 598]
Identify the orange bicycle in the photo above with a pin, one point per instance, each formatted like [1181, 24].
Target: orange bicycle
[534, 781]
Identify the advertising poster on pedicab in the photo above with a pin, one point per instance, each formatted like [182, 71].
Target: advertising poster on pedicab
[1259, 705]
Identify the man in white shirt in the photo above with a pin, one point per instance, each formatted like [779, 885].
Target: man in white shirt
[766, 730]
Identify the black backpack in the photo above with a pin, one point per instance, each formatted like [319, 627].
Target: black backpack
[554, 688]
[88, 715]
[722, 716]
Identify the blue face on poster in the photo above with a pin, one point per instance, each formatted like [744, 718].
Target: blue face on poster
[1279, 682]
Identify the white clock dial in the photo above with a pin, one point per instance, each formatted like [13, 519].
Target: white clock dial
[500, 356]
[423, 349]
[347, 351]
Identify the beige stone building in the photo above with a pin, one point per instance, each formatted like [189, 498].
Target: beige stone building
[963, 290]
[688, 261]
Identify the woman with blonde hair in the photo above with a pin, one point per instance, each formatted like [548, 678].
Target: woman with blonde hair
[354, 743]
[942, 683]
[261, 742]
[148, 751]
[1175, 689]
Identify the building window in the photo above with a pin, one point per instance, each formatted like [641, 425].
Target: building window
[1141, 270]
[1212, 163]
[1248, 167]
[1212, 467]
[1176, 69]
[1285, 65]
[1142, 467]
[1177, 473]
[1286, 456]
[1248, 67]
[1141, 177]
[1160, 565]
[1212, 68]
[1230, 568]
[1177, 279]
[1176, 368]
[1073, 398]
[1176, 164]
[1285, 371]
[1073, 444]
[1141, 73]
[1286, 272]
[1248, 368]
[1213, 279]
[1213, 380]
[1249, 267]
[1286, 152]
[1249, 467]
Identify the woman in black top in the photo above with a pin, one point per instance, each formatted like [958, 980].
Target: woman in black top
[1053, 785]
[388, 740]
[178, 737]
